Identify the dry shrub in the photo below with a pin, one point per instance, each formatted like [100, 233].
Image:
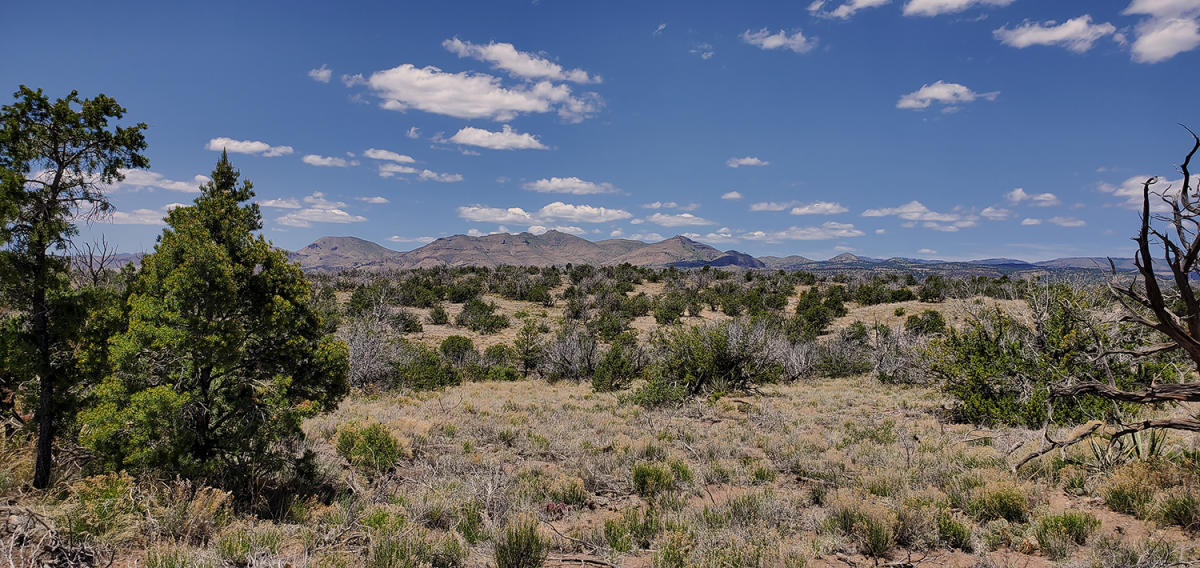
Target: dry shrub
[186, 513]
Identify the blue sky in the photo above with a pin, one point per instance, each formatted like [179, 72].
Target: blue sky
[921, 128]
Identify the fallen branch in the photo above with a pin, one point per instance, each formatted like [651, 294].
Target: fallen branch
[1054, 445]
[1175, 392]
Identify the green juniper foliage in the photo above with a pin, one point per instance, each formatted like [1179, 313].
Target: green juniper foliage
[55, 159]
[224, 355]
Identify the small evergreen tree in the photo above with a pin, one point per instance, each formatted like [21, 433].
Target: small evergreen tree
[224, 354]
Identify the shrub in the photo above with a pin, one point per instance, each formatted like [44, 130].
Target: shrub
[572, 355]
[372, 447]
[651, 479]
[439, 316]
[933, 289]
[481, 317]
[1128, 491]
[1181, 509]
[928, 322]
[659, 391]
[520, 545]
[103, 507]
[1057, 535]
[421, 368]
[414, 547]
[633, 530]
[954, 532]
[185, 513]
[528, 346]
[458, 349]
[1002, 501]
[619, 365]
[240, 544]
[725, 357]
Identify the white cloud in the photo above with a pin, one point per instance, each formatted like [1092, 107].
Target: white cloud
[1130, 191]
[137, 180]
[390, 170]
[672, 205]
[413, 132]
[506, 139]
[285, 203]
[772, 205]
[431, 175]
[475, 95]
[647, 237]
[571, 185]
[825, 231]
[374, 200]
[319, 210]
[819, 208]
[517, 63]
[845, 10]
[704, 50]
[1067, 221]
[680, 220]
[1076, 34]
[377, 154]
[746, 161]
[142, 216]
[915, 211]
[994, 213]
[926, 251]
[1018, 195]
[256, 147]
[327, 161]
[943, 93]
[399, 239]
[659, 30]
[1171, 27]
[1029, 221]
[732, 195]
[321, 74]
[936, 7]
[557, 211]
[541, 229]
[764, 39]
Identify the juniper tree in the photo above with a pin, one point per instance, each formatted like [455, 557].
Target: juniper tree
[225, 353]
[55, 159]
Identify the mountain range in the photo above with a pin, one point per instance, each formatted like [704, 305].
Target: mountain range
[332, 254]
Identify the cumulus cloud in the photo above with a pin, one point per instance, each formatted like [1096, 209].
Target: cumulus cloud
[321, 74]
[1130, 191]
[327, 161]
[819, 208]
[1030, 221]
[704, 50]
[317, 209]
[1067, 221]
[571, 185]
[391, 170]
[430, 175]
[647, 237]
[413, 132]
[255, 147]
[388, 155]
[772, 205]
[845, 10]
[732, 195]
[764, 39]
[521, 64]
[746, 161]
[284, 203]
[1076, 34]
[994, 213]
[1019, 195]
[474, 95]
[542, 229]
[1171, 27]
[916, 212]
[938, 7]
[557, 211]
[941, 92]
[374, 200]
[825, 231]
[926, 251]
[137, 180]
[506, 139]
[141, 216]
[680, 220]
[671, 205]
[399, 239]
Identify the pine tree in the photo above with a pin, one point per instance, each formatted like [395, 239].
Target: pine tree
[224, 355]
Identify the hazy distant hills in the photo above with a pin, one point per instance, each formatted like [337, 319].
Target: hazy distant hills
[330, 254]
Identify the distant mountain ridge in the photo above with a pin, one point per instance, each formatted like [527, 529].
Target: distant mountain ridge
[554, 248]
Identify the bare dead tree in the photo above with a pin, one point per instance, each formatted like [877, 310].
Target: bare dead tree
[1148, 304]
[91, 262]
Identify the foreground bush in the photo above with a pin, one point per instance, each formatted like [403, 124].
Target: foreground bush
[520, 545]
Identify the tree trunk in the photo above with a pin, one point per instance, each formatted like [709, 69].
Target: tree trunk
[45, 411]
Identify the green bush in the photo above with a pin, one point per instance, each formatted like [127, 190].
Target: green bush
[659, 391]
[619, 365]
[1002, 501]
[422, 368]
[372, 447]
[457, 349]
[439, 316]
[954, 532]
[104, 507]
[725, 357]
[928, 322]
[481, 317]
[1057, 535]
[520, 545]
[1181, 509]
[633, 530]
